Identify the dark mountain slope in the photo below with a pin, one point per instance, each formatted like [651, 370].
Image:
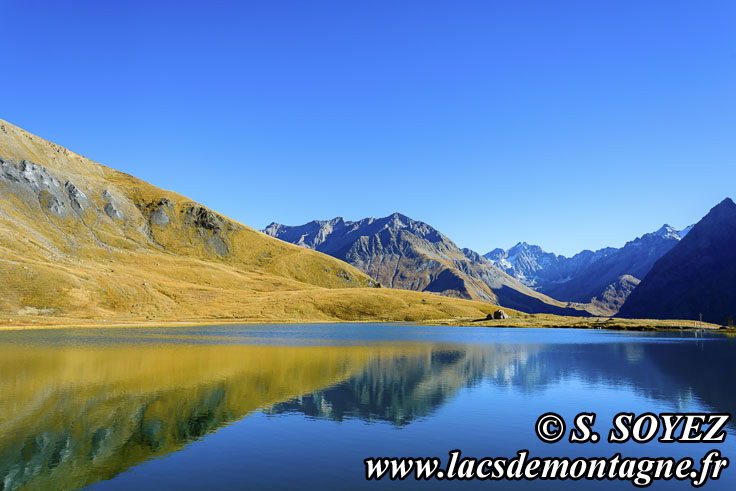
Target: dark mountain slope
[634, 260]
[697, 276]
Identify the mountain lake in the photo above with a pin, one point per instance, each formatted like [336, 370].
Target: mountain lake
[301, 406]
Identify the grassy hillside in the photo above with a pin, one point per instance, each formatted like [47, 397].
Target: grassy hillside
[82, 242]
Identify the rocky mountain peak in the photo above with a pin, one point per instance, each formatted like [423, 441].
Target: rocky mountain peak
[725, 210]
[400, 252]
[666, 231]
[335, 221]
[719, 221]
[727, 202]
[588, 274]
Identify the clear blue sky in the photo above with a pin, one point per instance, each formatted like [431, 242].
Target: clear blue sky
[568, 124]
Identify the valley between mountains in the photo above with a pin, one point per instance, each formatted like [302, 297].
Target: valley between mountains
[83, 244]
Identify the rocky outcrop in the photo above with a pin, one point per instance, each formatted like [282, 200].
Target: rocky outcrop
[202, 218]
[77, 198]
[35, 186]
[111, 206]
[615, 294]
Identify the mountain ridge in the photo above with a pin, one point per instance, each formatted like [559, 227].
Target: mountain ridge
[604, 277]
[79, 240]
[400, 252]
[696, 276]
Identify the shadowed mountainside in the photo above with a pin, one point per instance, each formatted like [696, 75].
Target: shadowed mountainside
[605, 277]
[697, 276]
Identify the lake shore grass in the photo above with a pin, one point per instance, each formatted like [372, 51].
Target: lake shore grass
[516, 319]
[607, 323]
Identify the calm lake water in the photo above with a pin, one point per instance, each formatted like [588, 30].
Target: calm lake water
[233, 407]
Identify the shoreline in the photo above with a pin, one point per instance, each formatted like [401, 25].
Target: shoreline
[544, 321]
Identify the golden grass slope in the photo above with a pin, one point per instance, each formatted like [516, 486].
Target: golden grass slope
[80, 241]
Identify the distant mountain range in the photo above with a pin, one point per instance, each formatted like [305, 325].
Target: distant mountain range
[697, 276]
[400, 252]
[403, 253]
[82, 242]
[604, 277]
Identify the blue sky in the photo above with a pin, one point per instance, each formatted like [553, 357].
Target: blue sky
[571, 125]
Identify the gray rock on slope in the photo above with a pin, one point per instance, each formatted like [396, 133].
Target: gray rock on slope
[111, 206]
[77, 198]
[34, 185]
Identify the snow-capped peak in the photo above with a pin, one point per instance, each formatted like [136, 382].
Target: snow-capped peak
[667, 232]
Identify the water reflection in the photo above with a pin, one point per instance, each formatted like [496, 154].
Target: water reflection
[404, 388]
[75, 414]
[70, 416]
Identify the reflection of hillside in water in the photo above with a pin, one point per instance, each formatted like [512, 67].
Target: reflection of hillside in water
[405, 388]
[71, 416]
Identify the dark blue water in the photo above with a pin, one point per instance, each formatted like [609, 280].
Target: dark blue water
[235, 407]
